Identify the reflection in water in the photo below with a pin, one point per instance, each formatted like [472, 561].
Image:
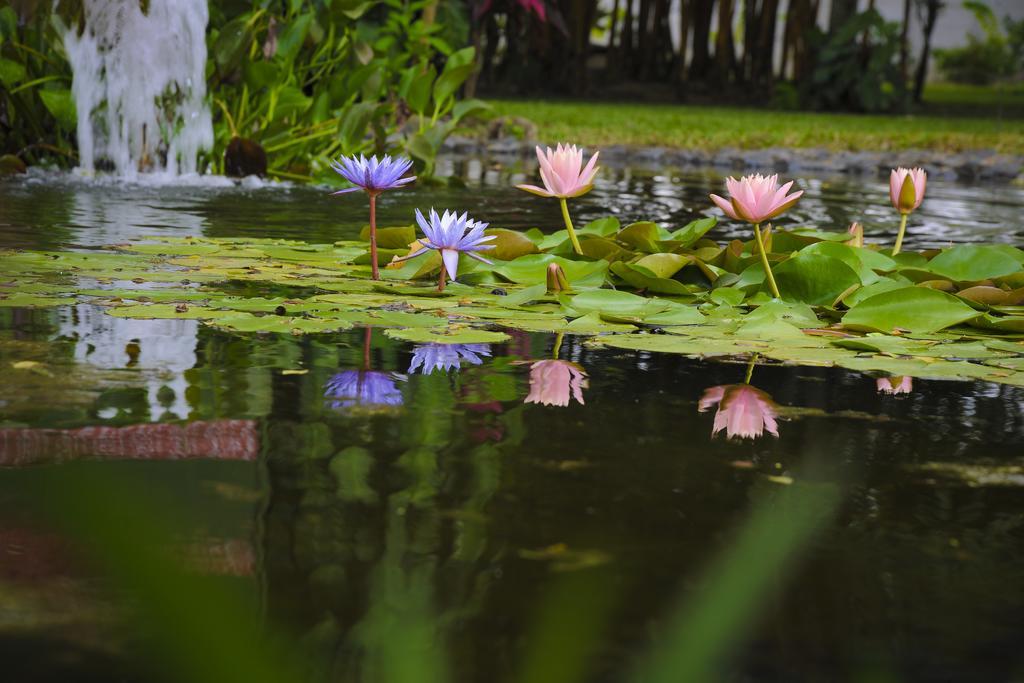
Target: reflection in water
[167, 347]
[554, 382]
[445, 357]
[363, 388]
[397, 541]
[895, 385]
[217, 439]
[743, 411]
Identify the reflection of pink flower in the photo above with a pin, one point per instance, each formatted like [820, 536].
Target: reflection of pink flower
[895, 385]
[554, 382]
[906, 188]
[756, 198]
[743, 411]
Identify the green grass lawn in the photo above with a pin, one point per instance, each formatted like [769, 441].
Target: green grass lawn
[987, 126]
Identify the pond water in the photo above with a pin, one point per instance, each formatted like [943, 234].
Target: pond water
[393, 524]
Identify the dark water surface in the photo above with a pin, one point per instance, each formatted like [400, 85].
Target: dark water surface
[391, 524]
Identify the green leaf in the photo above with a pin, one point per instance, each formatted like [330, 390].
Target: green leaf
[602, 227]
[972, 262]
[457, 69]
[464, 108]
[399, 237]
[642, 278]
[61, 104]
[291, 101]
[625, 307]
[261, 74]
[642, 236]
[814, 279]
[354, 123]
[915, 309]
[11, 72]
[532, 269]
[509, 244]
[290, 40]
[467, 335]
[688, 235]
[418, 96]
[663, 265]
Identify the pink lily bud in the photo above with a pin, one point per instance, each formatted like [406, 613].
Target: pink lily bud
[856, 231]
[557, 281]
[906, 188]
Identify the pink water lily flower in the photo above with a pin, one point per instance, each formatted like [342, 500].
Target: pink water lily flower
[554, 382]
[563, 172]
[743, 411]
[895, 385]
[756, 198]
[906, 188]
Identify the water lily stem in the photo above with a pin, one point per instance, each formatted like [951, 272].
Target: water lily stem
[750, 369]
[764, 261]
[568, 226]
[899, 236]
[558, 345]
[442, 279]
[374, 269]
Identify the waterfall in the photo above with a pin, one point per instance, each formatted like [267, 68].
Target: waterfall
[140, 85]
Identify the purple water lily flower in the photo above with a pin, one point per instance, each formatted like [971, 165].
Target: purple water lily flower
[445, 357]
[448, 234]
[366, 388]
[373, 176]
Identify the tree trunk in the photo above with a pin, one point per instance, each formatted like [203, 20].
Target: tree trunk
[931, 14]
[644, 36]
[701, 32]
[765, 57]
[905, 43]
[610, 53]
[725, 53]
[626, 44]
[750, 12]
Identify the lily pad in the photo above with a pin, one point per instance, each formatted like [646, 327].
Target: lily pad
[914, 309]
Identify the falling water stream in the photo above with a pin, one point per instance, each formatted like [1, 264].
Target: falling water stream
[140, 85]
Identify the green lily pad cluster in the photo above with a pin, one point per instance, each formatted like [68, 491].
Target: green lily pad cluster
[953, 313]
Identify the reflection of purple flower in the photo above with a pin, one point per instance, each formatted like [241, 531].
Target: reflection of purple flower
[363, 388]
[430, 357]
[373, 175]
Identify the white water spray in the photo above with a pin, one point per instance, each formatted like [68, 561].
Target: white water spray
[140, 85]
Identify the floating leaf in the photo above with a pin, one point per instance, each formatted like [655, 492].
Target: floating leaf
[449, 336]
[814, 279]
[532, 269]
[915, 309]
[972, 262]
[509, 244]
